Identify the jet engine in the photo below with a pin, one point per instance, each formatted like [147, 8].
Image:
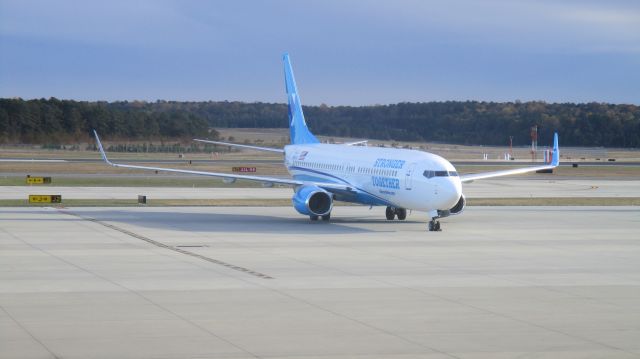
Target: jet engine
[312, 201]
[455, 210]
[459, 207]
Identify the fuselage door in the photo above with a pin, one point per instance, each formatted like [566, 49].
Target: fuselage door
[409, 176]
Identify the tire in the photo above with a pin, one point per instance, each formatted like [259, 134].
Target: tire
[390, 213]
[326, 217]
[432, 226]
[313, 217]
[402, 214]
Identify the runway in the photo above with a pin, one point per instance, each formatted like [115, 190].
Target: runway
[254, 282]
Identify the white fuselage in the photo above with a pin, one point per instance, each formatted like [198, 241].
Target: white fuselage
[381, 176]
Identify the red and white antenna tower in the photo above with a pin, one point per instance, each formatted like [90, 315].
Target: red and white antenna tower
[510, 147]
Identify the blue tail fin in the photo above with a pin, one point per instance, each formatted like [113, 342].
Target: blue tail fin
[556, 151]
[300, 134]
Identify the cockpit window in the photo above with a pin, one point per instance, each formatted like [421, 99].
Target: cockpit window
[431, 173]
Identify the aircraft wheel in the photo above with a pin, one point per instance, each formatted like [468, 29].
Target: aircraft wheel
[313, 217]
[390, 213]
[326, 217]
[402, 214]
[434, 226]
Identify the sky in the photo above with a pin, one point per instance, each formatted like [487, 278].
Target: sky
[344, 52]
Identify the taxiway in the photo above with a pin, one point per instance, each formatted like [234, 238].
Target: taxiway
[493, 188]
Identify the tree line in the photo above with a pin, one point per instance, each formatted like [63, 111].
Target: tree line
[461, 122]
[53, 120]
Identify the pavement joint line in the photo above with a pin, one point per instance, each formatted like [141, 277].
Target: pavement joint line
[281, 292]
[317, 306]
[559, 344]
[134, 292]
[171, 248]
[54, 355]
[426, 292]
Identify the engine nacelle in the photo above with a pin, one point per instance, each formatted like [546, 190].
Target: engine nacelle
[455, 210]
[312, 200]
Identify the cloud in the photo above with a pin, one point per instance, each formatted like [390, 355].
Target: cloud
[569, 26]
[344, 52]
[115, 22]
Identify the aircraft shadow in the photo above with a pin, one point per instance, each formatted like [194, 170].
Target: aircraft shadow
[233, 223]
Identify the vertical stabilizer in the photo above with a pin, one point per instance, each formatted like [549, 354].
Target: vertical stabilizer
[300, 133]
[555, 161]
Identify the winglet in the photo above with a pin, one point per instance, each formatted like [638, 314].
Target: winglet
[102, 153]
[555, 161]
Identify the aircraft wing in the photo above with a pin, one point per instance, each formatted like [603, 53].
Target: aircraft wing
[284, 181]
[257, 148]
[484, 175]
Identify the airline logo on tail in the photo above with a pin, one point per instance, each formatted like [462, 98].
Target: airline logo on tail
[292, 104]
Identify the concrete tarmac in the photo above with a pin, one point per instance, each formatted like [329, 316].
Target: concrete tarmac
[215, 282]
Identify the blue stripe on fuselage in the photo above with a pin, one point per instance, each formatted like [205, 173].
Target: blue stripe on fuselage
[378, 200]
[320, 173]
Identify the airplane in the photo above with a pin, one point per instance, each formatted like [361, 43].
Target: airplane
[400, 179]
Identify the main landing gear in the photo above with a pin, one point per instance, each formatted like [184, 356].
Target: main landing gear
[326, 217]
[392, 212]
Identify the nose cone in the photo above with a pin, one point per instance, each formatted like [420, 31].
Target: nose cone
[450, 191]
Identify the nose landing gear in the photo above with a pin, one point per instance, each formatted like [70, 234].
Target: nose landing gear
[401, 213]
[434, 224]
